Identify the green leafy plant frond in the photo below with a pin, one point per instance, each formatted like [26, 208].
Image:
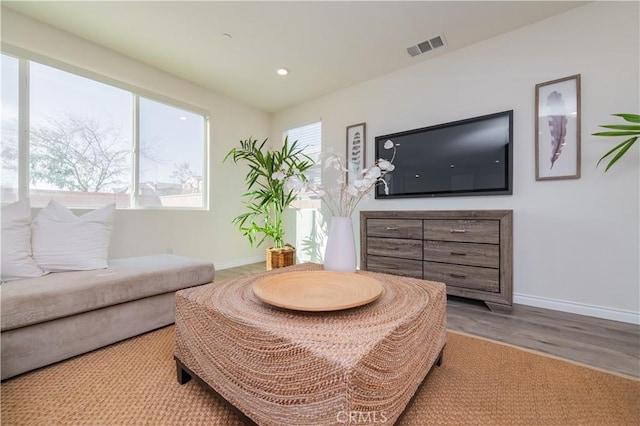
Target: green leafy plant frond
[267, 193]
[620, 130]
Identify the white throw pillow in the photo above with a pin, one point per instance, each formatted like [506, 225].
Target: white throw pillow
[17, 260]
[63, 241]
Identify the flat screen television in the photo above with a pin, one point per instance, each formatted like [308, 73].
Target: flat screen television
[461, 158]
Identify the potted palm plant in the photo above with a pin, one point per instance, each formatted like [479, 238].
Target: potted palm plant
[273, 181]
[632, 130]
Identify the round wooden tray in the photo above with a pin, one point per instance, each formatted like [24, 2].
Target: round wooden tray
[317, 290]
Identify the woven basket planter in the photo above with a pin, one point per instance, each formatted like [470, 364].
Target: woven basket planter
[279, 258]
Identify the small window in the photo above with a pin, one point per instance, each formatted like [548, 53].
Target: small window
[309, 138]
[309, 222]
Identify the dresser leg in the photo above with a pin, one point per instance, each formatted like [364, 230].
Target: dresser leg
[498, 307]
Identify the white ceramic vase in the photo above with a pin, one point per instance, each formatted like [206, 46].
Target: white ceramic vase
[340, 253]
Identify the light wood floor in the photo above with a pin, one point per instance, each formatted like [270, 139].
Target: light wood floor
[611, 345]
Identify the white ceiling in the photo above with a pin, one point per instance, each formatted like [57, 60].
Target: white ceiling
[327, 46]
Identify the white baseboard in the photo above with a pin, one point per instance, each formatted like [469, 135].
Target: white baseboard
[578, 308]
[239, 262]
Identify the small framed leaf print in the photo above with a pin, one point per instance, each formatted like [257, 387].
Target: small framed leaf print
[356, 143]
[558, 129]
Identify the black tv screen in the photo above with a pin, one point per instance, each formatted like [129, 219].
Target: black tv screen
[466, 157]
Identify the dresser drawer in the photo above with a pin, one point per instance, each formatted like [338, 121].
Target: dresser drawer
[395, 228]
[394, 266]
[394, 247]
[471, 231]
[487, 255]
[470, 277]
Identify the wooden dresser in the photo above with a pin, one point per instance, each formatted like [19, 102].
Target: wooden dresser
[471, 251]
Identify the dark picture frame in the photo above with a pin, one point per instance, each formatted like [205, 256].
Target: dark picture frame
[557, 122]
[356, 148]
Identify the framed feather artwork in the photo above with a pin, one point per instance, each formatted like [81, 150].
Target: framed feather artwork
[356, 142]
[558, 129]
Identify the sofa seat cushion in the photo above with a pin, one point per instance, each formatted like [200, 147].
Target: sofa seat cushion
[35, 300]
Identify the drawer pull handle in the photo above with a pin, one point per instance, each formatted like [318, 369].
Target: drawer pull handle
[457, 253]
[458, 231]
[391, 228]
[458, 276]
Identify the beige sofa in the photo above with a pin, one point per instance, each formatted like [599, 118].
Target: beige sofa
[60, 315]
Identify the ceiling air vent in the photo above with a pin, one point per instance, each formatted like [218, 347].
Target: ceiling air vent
[427, 45]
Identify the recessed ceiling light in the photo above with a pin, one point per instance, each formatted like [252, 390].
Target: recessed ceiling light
[282, 71]
[226, 36]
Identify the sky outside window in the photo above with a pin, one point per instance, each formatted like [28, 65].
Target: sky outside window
[169, 137]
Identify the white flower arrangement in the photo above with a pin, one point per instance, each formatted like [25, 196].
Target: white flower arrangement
[352, 188]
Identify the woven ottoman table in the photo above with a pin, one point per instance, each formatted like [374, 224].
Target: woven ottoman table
[283, 367]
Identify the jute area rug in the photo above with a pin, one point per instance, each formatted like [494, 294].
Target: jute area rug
[479, 383]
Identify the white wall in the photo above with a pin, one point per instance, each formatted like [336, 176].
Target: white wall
[576, 242]
[200, 234]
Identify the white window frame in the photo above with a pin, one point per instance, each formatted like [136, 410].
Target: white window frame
[24, 57]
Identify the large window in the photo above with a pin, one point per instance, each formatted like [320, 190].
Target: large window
[9, 129]
[80, 134]
[89, 143]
